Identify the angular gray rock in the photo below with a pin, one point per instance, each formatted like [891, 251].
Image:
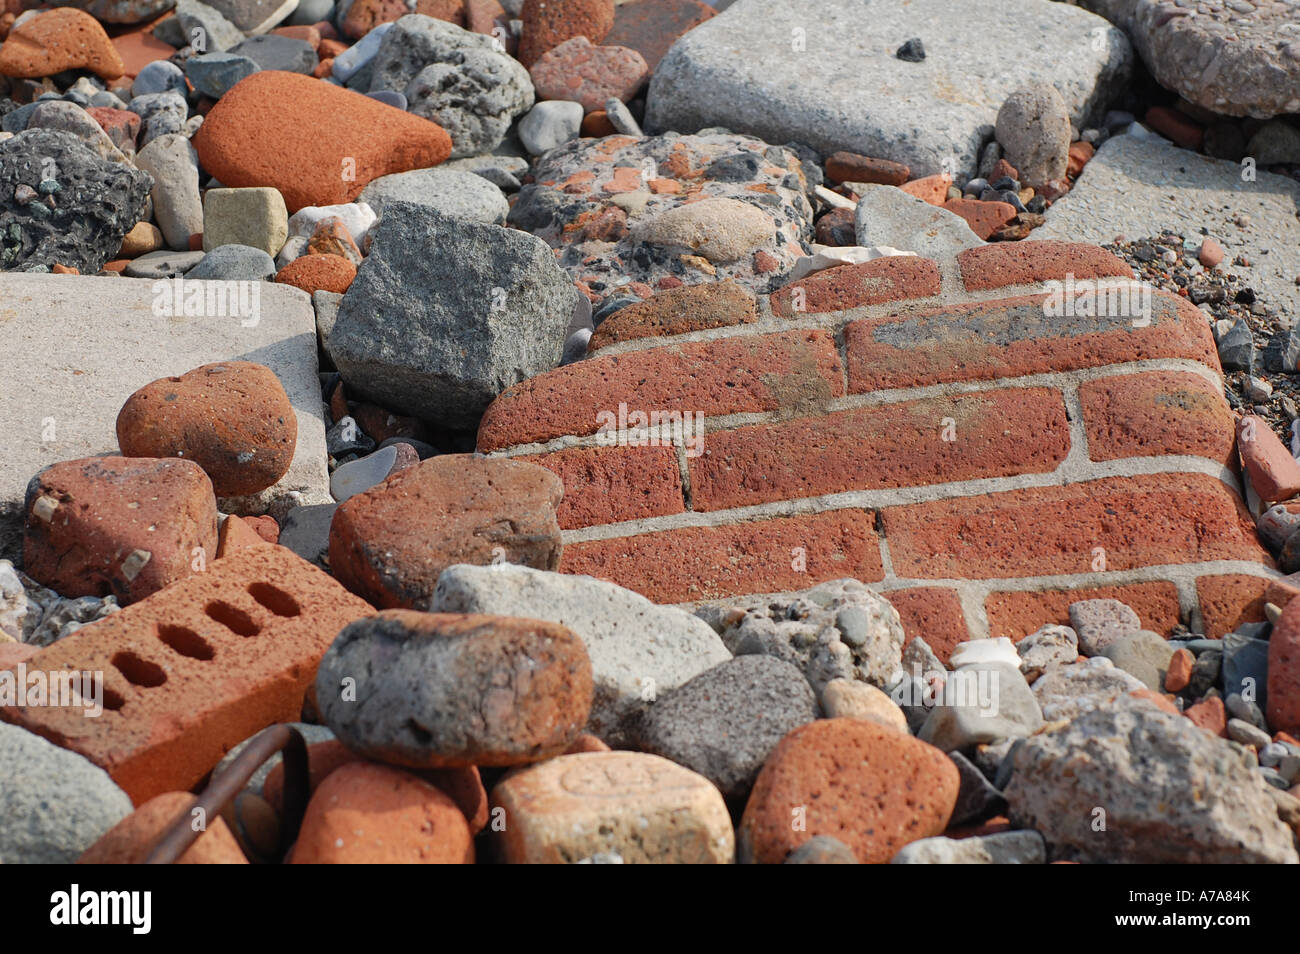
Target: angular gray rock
[255, 16]
[1002, 848]
[889, 216]
[1033, 128]
[1129, 783]
[452, 192]
[1232, 57]
[1098, 623]
[638, 650]
[161, 114]
[725, 722]
[213, 74]
[456, 78]
[1046, 647]
[78, 208]
[1144, 655]
[71, 118]
[439, 336]
[981, 703]
[823, 72]
[56, 802]
[119, 11]
[841, 629]
[199, 25]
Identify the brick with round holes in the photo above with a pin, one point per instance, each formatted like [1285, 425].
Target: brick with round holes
[1017, 613]
[877, 282]
[1017, 336]
[196, 668]
[914, 443]
[759, 556]
[730, 376]
[1151, 520]
[1156, 412]
[1022, 263]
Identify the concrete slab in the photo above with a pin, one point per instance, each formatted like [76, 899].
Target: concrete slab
[76, 347]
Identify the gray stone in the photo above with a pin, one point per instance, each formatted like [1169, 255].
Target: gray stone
[164, 263]
[389, 98]
[721, 230]
[841, 629]
[160, 76]
[503, 172]
[452, 192]
[1127, 186]
[1066, 692]
[359, 55]
[175, 193]
[1171, 793]
[458, 79]
[358, 476]
[1033, 128]
[77, 402]
[1001, 848]
[490, 309]
[213, 74]
[1047, 647]
[823, 72]
[1275, 142]
[60, 617]
[309, 12]
[327, 310]
[234, 263]
[1237, 348]
[889, 216]
[70, 118]
[306, 531]
[270, 51]
[919, 659]
[198, 25]
[725, 722]
[92, 204]
[119, 11]
[638, 650]
[56, 802]
[1245, 668]
[1205, 673]
[621, 118]
[1098, 623]
[1143, 654]
[1222, 60]
[822, 850]
[255, 16]
[1239, 730]
[1247, 711]
[977, 798]
[161, 114]
[981, 703]
[550, 125]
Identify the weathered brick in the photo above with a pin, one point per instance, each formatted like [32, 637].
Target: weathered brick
[1274, 473]
[611, 484]
[195, 668]
[1148, 521]
[1021, 263]
[1016, 614]
[675, 312]
[931, 441]
[1157, 412]
[851, 167]
[1015, 337]
[759, 373]
[932, 613]
[761, 556]
[895, 278]
[130, 841]
[984, 218]
[1229, 600]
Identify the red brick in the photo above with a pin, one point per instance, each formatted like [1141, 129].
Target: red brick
[652, 26]
[1081, 154]
[851, 167]
[760, 373]
[1230, 600]
[994, 434]
[610, 484]
[699, 563]
[364, 15]
[1180, 671]
[1282, 590]
[365, 813]
[872, 787]
[236, 534]
[932, 613]
[597, 125]
[1022, 263]
[1016, 337]
[313, 273]
[11, 654]
[1145, 521]
[1274, 473]
[196, 668]
[1157, 412]
[547, 24]
[1210, 715]
[675, 312]
[932, 189]
[130, 841]
[1174, 125]
[52, 41]
[836, 228]
[984, 218]
[882, 280]
[1016, 614]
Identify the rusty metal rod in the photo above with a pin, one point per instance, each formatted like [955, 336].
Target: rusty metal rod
[278, 738]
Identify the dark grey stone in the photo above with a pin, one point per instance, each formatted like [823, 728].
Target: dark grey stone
[725, 722]
[213, 74]
[822, 850]
[1237, 348]
[1245, 668]
[271, 51]
[82, 221]
[234, 263]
